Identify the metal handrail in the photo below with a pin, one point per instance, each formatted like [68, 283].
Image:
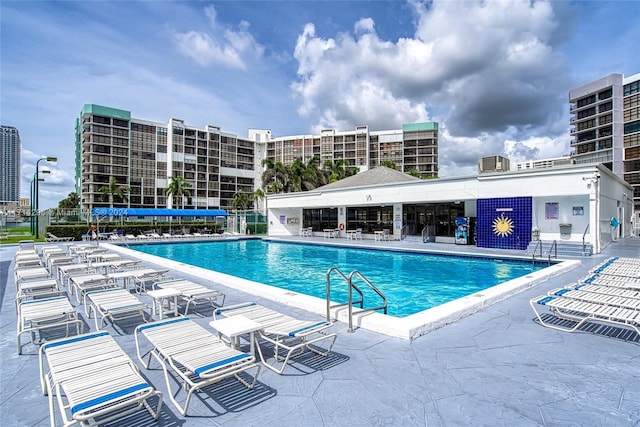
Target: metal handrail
[404, 231]
[584, 245]
[350, 302]
[425, 233]
[533, 258]
[554, 247]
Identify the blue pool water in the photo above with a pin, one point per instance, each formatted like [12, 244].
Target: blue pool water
[411, 282]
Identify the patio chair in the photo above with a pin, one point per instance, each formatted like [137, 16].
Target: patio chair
[192, 293]
[30, 273]
[82, 284]
[142, 277]
[617, 281]
[583, 311]
[93, 380]
[112, 304]
[282, 331]
[36, 288]
[27, 245]
[53, 238]
[46, 313]
[194, 354]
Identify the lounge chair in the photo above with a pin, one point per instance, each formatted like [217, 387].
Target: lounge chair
[141, 278]
[617, 281]
[53, 238]
[196, 355]
[82, 284]
[46, 313]
[66, 271]
[582, 311]
[94, 380]
[27, 245]
[36, 288]
[112, 304]
[283, 332]
[192, 293]
[31, 273]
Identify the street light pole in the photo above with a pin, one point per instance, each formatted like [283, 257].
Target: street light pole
[31, 208]
[36, 179]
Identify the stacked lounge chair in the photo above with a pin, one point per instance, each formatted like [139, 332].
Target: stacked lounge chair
[610, 294]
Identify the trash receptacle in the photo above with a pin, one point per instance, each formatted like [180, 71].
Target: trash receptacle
[565, 229]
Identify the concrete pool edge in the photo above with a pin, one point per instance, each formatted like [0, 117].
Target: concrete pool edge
[409, 327]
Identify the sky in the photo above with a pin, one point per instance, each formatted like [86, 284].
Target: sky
[494, 74]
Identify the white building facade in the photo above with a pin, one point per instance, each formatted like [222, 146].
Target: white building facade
[509, 210]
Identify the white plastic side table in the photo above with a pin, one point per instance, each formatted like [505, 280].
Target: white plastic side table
[233, 327]
[159, 297]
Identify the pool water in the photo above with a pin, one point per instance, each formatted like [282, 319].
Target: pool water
[411, 282]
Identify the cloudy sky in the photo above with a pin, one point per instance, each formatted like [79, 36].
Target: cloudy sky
[495, 75]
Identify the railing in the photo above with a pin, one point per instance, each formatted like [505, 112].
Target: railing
[554, 247]
[584, 245]
[538, 245]
[351, 288]
[425, 234]
[404, 231]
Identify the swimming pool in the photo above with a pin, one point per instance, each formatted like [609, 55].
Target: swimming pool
[412, 282]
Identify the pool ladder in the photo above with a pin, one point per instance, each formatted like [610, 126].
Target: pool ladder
[351, 287]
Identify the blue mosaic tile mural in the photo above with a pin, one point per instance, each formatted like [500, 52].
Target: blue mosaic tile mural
[504, 223]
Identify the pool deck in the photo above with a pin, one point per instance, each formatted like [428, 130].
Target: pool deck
[494, 367]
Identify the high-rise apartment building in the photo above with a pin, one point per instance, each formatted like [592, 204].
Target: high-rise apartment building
[145, 155]
[10, 149]
[414, 147]
[605, 126]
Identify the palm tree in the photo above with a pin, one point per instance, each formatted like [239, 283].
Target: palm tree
[241, 200]
[258, 195]
[337, 170]
[112, 190]
[276, 177]
[178, 187]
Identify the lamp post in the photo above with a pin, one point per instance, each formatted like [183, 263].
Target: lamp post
[35, 190]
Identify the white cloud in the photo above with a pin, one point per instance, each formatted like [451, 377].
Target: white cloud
[232, 50]
[488, 70]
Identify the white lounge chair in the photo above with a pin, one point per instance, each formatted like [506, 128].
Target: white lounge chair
[583, 311]
[53, 238]
[82, 284]
[31, 273]
[36, 288]
[94, 380]
[112, 304]
[27, 245]
[196, 355]
[46, 313]
[284, 332]
[141, 278]
[192, 293]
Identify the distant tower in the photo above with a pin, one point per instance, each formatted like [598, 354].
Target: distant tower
[10, 149]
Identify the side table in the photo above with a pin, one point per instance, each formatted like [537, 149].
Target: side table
[233, 327]
[159, 297]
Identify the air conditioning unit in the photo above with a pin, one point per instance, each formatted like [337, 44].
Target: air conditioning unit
[493, 164]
